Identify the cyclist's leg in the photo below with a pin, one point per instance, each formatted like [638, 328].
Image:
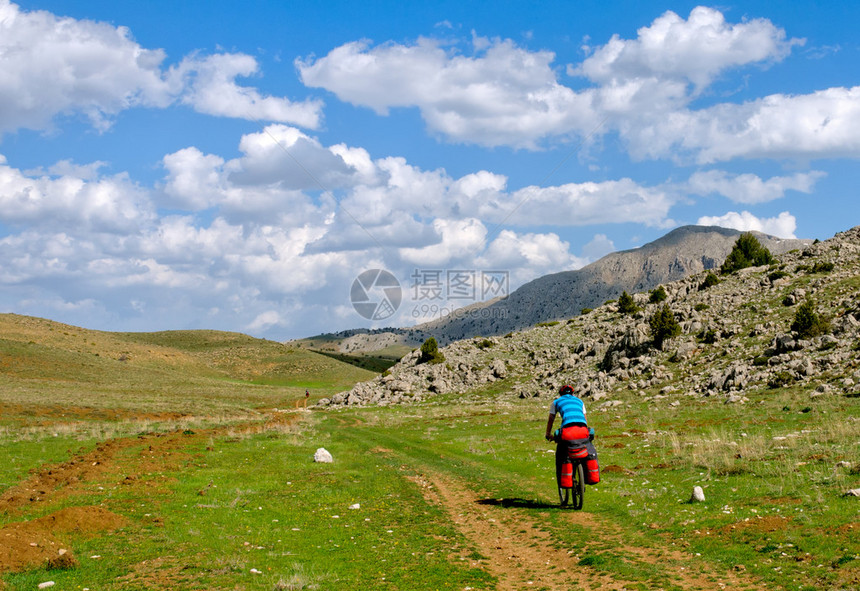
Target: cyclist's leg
[560, 458]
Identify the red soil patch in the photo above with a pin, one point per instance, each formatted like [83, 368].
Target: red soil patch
[32, 544]
[381, 450]
[614, 469]
[44, 415]
[130, 461]
[61, 480]
[82, 467]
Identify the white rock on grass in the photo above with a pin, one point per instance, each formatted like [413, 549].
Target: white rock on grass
[323, 456]
[46, 584]
[355, 506]
[853, 493]
[698, 495]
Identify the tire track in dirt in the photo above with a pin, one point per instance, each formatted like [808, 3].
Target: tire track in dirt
[160, 452]
[522, 555]
[29, 544]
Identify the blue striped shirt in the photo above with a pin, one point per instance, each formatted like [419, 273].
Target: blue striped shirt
[571, 408]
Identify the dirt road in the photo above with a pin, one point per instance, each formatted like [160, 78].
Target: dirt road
[523, 554]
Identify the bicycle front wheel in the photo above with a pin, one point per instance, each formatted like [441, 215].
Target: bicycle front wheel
[564, 496]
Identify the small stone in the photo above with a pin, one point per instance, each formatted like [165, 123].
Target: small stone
[355, 506]
[46, 584]
[698, 495]
[323, 456]
[855, 492]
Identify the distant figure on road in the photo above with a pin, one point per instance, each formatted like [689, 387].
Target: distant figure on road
[307, 395]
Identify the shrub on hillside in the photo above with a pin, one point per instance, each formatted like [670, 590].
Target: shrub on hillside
[657, 295]
[710, 280]
[430, 352]
[779, 380]
[808, 323]
[822, 267]
[747, 252]
[708, 337]
[663, 326]
[626, 304]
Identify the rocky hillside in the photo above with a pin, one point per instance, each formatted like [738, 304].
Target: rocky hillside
[680, 253]
[736, 339]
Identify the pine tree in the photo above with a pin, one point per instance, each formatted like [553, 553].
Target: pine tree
[657, 295]
[663, 326]
[807, 323]
[710, 281]
[430, 352]
[626, 304]
[747, 252]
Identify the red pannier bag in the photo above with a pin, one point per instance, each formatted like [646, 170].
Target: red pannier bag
[592, 470]
[567, 475]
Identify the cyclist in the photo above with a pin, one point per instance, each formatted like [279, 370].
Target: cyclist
[574, 425]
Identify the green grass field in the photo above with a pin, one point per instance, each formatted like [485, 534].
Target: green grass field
[456, 493]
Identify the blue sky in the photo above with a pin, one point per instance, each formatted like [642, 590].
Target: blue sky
[236, 166]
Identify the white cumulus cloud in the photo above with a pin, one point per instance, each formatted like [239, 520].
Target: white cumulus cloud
[210, 87]
[111, 204]
[750, 188]
[823, 124]
[52, 65]
[496, 93]
[502, 95]
[696, 49]
[581, 204]
[457, 239]
[782, 226]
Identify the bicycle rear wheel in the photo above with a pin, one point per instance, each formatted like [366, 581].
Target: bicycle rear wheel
[577, 493]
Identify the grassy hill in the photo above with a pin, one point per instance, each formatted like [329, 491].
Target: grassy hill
[50, 364]
[361, 350]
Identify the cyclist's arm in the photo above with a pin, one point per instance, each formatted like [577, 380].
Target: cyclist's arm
[550, 420]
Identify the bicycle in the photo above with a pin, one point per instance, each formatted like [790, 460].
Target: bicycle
[575, 469]
[570, 477]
